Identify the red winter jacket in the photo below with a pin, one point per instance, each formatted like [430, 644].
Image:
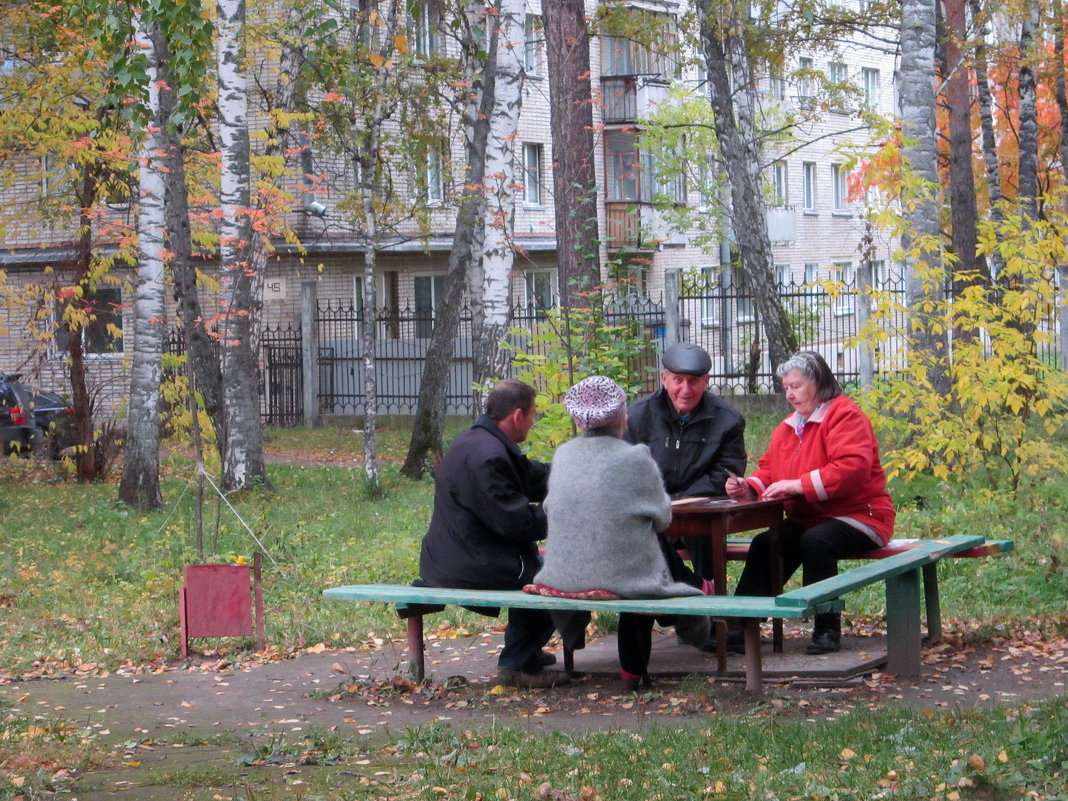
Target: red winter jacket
[837, 460]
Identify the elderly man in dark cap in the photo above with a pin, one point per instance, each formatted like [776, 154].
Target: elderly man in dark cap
[696, 439]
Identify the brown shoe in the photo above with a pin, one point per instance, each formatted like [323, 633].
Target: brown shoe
[542, 680]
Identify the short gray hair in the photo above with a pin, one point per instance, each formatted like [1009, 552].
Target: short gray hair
[813, 367]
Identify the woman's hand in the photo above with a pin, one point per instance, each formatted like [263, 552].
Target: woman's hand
[739, 489]
[784, 489]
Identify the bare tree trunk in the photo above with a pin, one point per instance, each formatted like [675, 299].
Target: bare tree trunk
[1062, 93]
[986, 123]
[728, 65]
[467, 243]
[489, 278]
[1028, 166]
[139, 486]
[85, 460]
[963, 207]
[243, 464]
[567, 44]
[925, 274]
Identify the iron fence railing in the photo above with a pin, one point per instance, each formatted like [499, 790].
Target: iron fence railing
[721, 318]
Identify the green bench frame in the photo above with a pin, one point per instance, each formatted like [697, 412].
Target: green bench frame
[900, 572]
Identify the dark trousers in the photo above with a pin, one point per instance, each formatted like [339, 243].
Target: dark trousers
[815, 550]
[634, 638]
[527, 631]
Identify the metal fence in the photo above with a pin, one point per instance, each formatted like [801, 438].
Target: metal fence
[719, 317]
[402, 337]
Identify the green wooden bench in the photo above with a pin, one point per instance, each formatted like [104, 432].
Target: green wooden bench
[414, 602]
[738, 550]
[900, 572]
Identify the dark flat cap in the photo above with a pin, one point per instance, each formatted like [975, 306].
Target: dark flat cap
[686, 357]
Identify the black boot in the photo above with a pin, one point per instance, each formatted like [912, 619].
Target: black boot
[826, 635]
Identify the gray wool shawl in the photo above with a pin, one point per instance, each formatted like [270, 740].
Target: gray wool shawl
[605, 504]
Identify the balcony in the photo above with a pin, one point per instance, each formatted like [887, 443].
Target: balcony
[623, 227]
[627, 97]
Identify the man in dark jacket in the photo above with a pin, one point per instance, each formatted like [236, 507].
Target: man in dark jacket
[696, 439]
[487, 521]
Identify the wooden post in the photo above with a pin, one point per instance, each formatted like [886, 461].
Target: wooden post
[309, 353]
[754, 680]
[932, 603]
[415, 647]
[903, 624]
[671, 307]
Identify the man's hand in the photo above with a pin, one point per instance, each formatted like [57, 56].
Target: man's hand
[739, 489]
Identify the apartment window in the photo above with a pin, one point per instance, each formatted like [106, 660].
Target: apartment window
[812, 275]
[656, 182]
[839, 193]
[706, 185]
[784, 276]
[804, 82]
[843, 276]
[622, 166]
[429, 289]
[622, 56]
[780, 178]
[533, 45]
[541, 290]
[102, 334]
[742, 295]
[532, 174]
[837, 72]
[808, 175]
[425, 19]
[870, 80]
[428, 182]
[713, 300]
[777, 88]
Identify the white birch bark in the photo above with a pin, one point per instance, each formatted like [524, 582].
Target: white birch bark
[140, 475]
[923, 277]
[490, 278]
[243, 464]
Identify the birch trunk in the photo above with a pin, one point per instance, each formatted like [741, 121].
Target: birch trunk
[920, 240]
[989, 139]
[489, 279]
[725, 58]
[139, 486]
[467, 242]
[243, 464]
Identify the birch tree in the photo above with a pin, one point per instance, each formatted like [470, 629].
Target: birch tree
[920, 238]
[480, 70]
[242, 446]
[490, 277]
[140, 475]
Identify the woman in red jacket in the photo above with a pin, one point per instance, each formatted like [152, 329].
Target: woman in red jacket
[824, 460]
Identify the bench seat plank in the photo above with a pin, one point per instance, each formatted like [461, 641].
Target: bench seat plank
[710, 605]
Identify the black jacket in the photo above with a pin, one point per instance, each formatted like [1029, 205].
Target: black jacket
[484, 529]
[693, 456]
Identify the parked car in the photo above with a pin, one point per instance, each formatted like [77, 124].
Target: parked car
[33, 420]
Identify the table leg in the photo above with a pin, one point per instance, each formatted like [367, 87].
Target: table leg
[776, 585]
[754, 680]
[415, 646]
[719, 577]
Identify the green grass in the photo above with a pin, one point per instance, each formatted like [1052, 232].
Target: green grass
[86, 580]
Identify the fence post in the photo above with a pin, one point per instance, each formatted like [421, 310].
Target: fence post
[862, 305]
[1062, 271]
[671, 307]
[309, 352]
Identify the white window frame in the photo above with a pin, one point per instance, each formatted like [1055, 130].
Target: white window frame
[783, 275]
[533, 46]
[870, 84]
[780, 184]
[837, 72]
[804, 83]
[809, 192]
[622, 167]
[712, 301]
[425, 15]
[839, 189]
[843, 274]
[812, 275]
[532, 173]
[537, 282]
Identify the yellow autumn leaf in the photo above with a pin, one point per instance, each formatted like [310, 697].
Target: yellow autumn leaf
[848, 753]
[1003, 756]
[377, 60]
[401, 43]
[976, 762]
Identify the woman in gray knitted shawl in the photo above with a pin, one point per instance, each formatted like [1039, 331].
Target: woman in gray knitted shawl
[605, 507]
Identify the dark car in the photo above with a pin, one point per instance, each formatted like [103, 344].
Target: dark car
[33, 420]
